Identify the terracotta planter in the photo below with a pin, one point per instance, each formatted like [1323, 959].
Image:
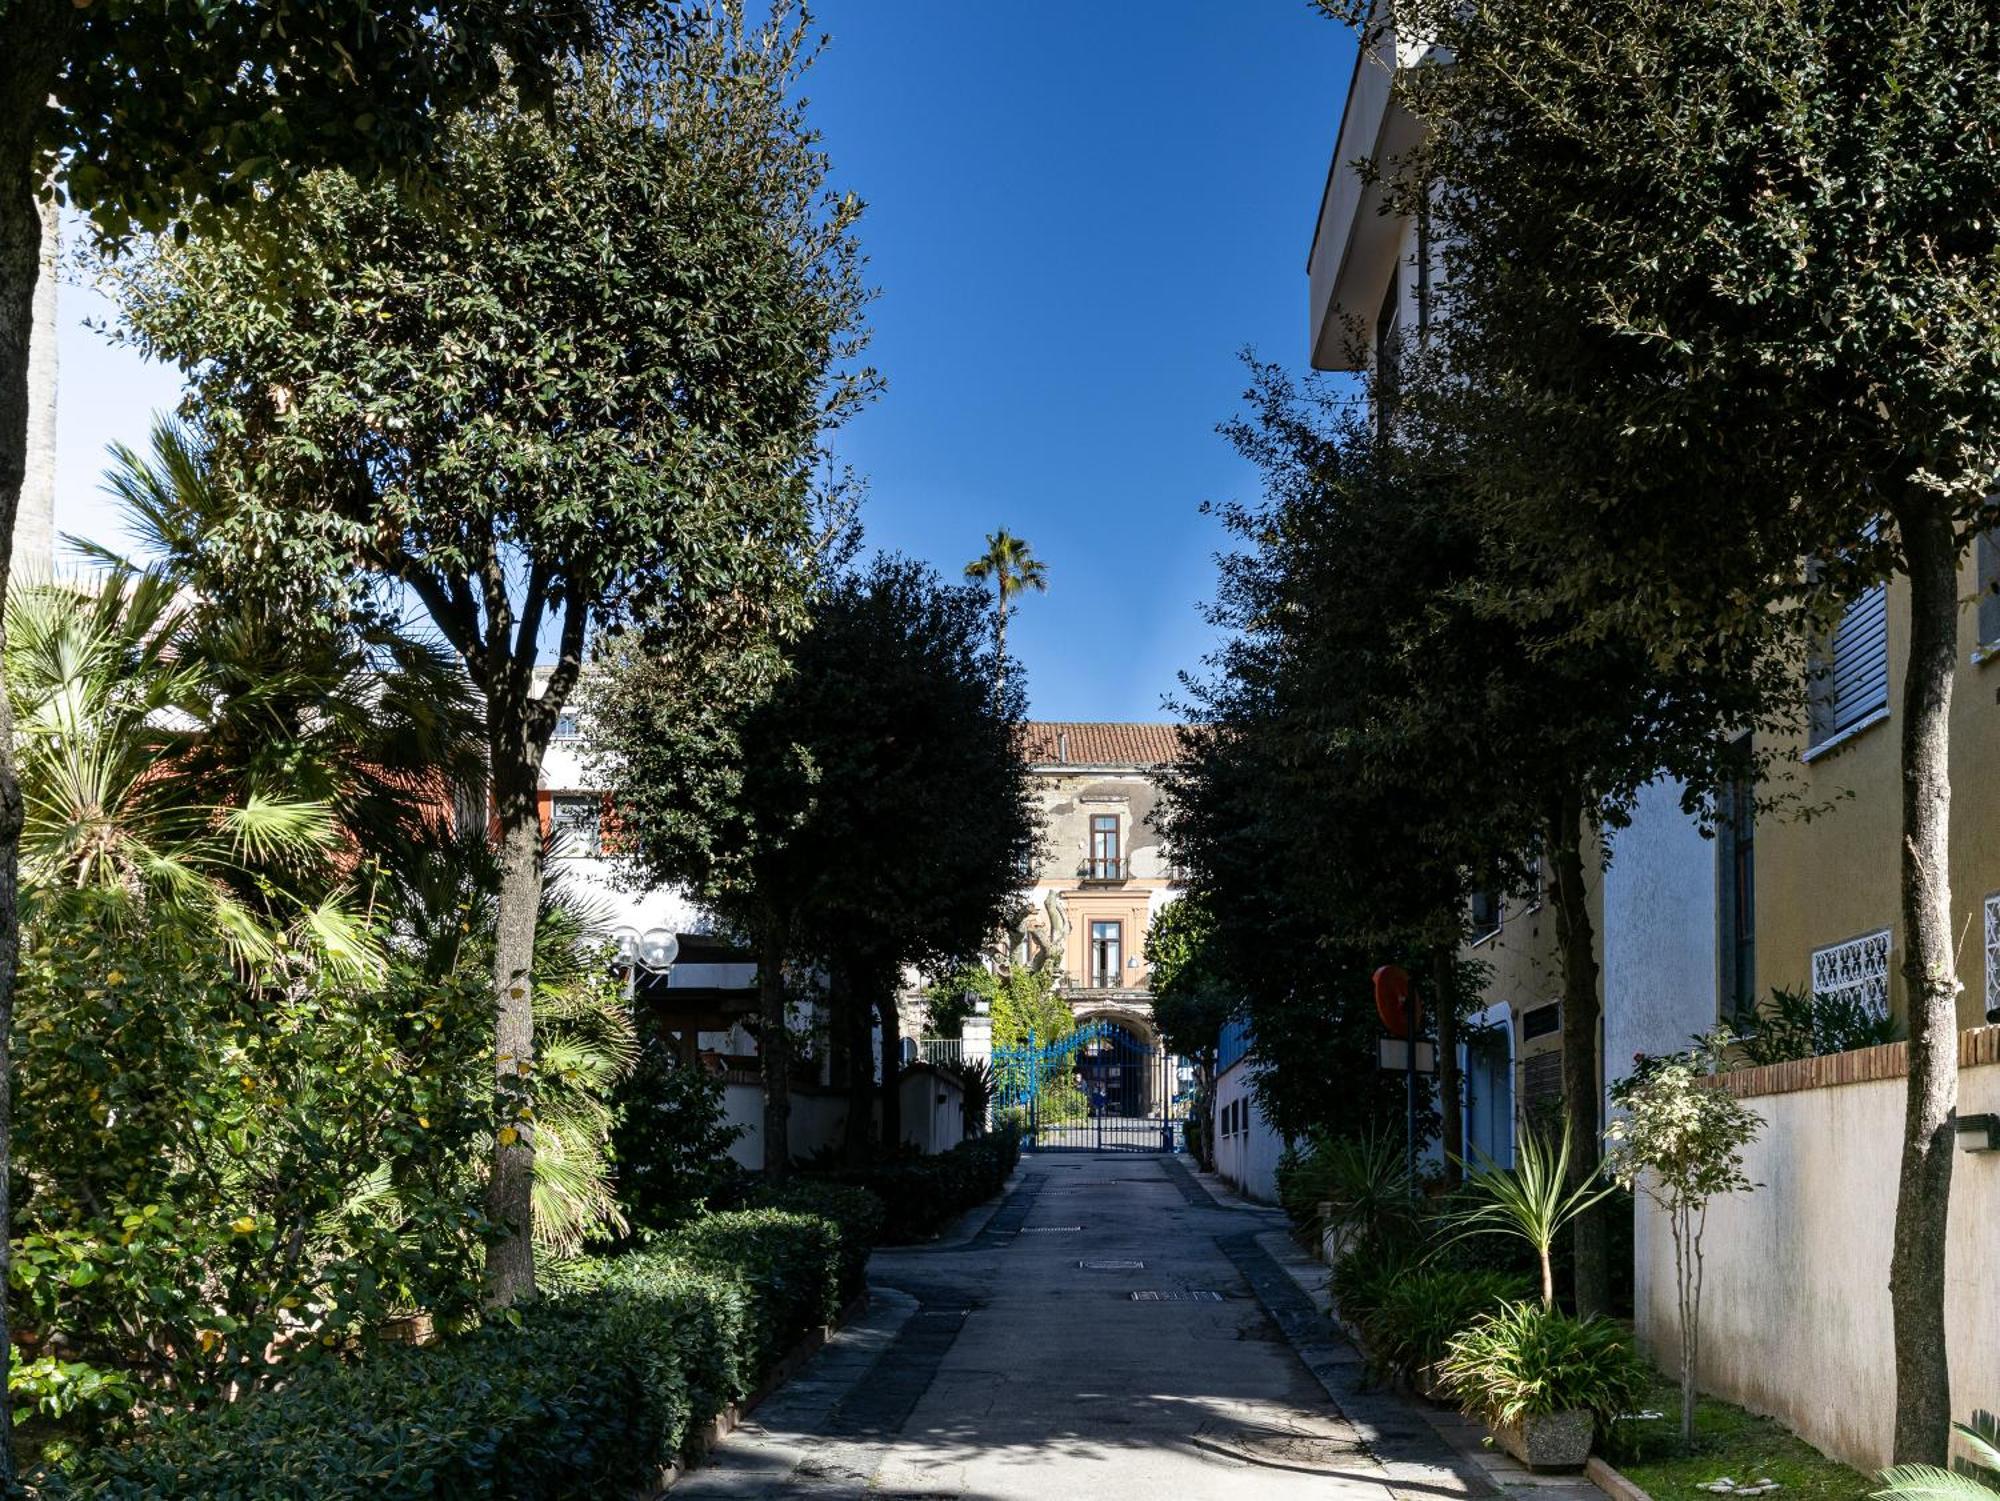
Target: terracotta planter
[1551, 1441]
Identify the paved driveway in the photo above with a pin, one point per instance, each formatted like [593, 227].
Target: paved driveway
[1019, 1366]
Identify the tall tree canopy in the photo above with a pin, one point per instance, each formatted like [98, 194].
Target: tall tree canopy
[587, 377]
[1725, 280]
[856, 801]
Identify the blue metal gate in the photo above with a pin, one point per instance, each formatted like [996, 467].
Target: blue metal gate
[1096, 1089]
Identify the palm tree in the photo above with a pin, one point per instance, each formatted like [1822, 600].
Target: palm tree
[1013, 567]
[102, 731]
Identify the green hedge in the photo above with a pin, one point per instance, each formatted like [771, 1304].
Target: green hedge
[857, 1212]
[587, 1396]
[922, 1194]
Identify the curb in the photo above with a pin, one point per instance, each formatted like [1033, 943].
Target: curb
[1613, 1484]
[733, 1416]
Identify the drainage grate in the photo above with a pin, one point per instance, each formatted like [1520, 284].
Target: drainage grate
[1199, 1295]
[1051, 1229]
[1112, 1266]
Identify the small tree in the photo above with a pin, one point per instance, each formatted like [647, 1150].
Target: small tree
[1681, 1142]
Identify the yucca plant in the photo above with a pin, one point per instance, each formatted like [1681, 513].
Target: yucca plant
[1531, 1199]
[1362, 1181]
[1976, 1478]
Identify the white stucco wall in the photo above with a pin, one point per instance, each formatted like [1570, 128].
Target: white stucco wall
[819, 1120]
[1248, 1159]
[1659, 932]
[1795, 1313]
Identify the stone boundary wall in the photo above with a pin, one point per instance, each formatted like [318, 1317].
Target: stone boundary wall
[1795, 1310]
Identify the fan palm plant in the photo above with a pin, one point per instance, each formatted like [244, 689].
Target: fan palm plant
[1974, 1480]
[1531, 1199]
[444, 909]
[101, 704]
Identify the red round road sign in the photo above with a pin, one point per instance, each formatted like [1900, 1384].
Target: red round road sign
[1396, 1000]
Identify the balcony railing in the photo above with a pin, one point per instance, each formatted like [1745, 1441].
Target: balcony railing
[1104, 870]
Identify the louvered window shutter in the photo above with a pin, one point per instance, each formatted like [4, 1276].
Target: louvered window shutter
[1853, 676]
[1989, 588]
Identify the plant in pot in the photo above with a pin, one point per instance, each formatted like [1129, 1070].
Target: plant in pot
[1412, 1323]
[1544, 1382]
[1539, 1378]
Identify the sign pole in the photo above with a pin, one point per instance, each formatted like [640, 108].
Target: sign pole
[1410, 1094]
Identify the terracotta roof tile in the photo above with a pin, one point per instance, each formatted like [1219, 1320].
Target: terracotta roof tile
[1086, 743]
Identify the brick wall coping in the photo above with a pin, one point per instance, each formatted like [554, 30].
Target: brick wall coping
[1977, 1047]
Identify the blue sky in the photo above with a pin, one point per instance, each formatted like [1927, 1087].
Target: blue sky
[1079, 212]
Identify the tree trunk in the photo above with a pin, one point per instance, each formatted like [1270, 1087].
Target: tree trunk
[774, 1047]
[33, 37]
[1923, 1193]
[510, 1261]
[1000, 644]
[1444, 1002]
[856, 1018]
[1575, 937]
[892, 1070]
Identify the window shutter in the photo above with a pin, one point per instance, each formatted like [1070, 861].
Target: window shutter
[1989, 588]
[1854, 673]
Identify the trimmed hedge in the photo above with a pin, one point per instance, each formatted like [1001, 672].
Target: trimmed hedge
[857, 1212]
[588, 1395]
[922, 1194]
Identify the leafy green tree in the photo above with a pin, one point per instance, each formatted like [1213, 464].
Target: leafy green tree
[1192, 999]
[1724, 282]
[1412, 737]
[586, 379]
[855, 804]
[1014, 569]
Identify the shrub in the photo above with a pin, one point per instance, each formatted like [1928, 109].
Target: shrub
[1801, 1024]
[857, 1212]
[671, 1142]
[579, 1399]
[921, 1193]
[587, 1394]
[219, 1166]
[1365, 1274]
[1363, 1182]
[1529, 1360]
[789, 1265]
[1413, 1320]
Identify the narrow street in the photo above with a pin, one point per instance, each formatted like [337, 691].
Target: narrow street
[1019, 1365]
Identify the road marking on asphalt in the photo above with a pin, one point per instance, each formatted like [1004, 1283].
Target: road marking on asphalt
[1112, 1266]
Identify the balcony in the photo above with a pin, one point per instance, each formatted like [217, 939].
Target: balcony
[1105, 872]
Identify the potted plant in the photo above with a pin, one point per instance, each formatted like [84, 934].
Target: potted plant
[1543, 1381]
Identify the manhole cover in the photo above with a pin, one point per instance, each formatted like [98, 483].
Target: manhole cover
[1112, 1266]
[1199, 1295]
[1050, 1229]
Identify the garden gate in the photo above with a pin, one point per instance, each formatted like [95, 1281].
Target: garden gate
[1096, 1089]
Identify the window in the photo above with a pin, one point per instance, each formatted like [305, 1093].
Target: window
[1987, 549]
[1736, 896]
[1485, 914]
[575, 817]
[566, 726]
[1104, 859]
[1993, 958]
[1388, 348]
[1542, 1021]
[1850, 671]
[1856, 971]
[1107, 954]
